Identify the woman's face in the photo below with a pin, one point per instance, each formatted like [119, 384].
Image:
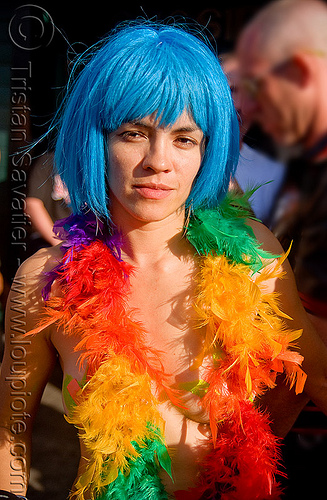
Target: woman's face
[152, 167]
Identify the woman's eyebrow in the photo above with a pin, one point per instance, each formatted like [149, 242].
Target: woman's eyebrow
[189, 128]
[138, 123]
[186, 128]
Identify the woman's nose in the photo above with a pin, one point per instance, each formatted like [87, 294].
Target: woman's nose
[158, 155]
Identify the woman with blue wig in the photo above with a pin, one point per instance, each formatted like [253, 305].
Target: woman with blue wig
[173, 313]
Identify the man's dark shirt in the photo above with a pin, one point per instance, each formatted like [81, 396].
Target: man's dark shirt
[308, 231]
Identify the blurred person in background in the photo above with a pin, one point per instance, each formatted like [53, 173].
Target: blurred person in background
[47, 200]
[255, 169]
[283, 64]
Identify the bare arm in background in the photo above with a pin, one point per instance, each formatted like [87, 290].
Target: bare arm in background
[41, 219]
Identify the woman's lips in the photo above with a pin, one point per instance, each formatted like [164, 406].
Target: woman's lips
[153, 191]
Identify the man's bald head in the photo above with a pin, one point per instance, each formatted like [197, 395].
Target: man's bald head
[283, 70]
[286, 26]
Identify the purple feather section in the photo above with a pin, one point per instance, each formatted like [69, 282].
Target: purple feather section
[78, 231]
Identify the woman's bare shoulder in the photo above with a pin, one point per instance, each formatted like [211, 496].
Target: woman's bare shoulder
[265, 237]
[41, 262]
[30, 280]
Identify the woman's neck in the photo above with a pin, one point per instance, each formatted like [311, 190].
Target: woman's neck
[151, 242]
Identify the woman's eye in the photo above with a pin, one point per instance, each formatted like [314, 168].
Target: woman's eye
[186, 141]
[131, 135]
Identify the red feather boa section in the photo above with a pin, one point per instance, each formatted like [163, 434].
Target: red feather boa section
[243, 463]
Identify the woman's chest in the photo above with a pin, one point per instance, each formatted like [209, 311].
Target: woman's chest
[163, 306]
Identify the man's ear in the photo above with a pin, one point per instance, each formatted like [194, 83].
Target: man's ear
[299, 69]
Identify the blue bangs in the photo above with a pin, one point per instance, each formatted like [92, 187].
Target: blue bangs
[157, 80]
[139, 70]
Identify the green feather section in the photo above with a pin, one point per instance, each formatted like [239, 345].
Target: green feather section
[143, 481]
[224, 231]
[68, 399]
[199, 387]
[69, 402]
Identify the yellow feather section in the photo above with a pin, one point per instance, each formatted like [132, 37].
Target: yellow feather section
[246, 322]
[113, 411]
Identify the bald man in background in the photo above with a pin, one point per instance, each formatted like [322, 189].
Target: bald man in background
[283, 66]
[256, 169]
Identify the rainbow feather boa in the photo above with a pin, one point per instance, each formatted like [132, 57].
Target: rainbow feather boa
[116, 411]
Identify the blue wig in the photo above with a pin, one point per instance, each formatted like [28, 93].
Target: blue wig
[139, 69]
